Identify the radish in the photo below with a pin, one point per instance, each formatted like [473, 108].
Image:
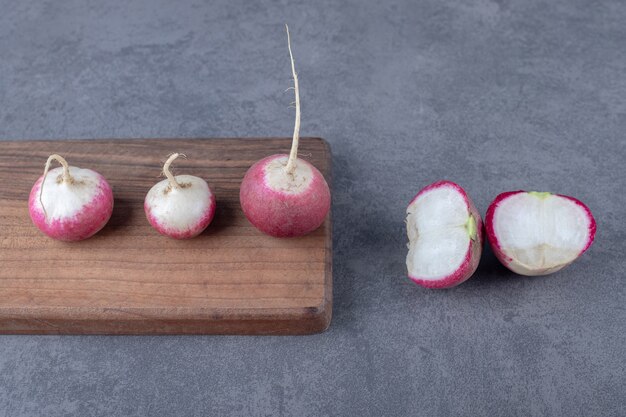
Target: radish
[70, 203]
[445, 236]
[283, 195]
[180, 207]
[538, 233]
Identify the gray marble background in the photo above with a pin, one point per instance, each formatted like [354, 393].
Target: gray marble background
[495, 95]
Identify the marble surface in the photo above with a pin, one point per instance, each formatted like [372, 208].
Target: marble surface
[495, 95]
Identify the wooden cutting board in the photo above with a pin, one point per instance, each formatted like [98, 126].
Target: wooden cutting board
[128, 279]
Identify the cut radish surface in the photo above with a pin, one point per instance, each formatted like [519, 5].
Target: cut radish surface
[445, 236]
[538, 233]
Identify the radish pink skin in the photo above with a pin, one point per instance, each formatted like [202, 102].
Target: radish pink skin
[493, 239]
[282, 214]
[84, 224]
[202, 224]
[473, 254]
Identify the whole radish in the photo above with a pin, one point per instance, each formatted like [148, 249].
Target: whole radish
[180, 206]
[538, 233]
[445, 236]
[69, 203]
[283, 195]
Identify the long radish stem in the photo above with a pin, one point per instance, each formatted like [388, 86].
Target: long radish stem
[293, 155]
[166, 170]
[66, 176]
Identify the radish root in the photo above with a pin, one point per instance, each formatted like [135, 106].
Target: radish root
[168, 173]
[66, 177]
[293, 155]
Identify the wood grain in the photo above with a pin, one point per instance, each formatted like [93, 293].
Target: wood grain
[127, 279]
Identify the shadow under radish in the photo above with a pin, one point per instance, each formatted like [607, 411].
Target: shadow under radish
[122, 216]
[490, 269]
[225, 212]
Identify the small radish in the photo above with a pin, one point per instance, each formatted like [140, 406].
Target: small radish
[445, 236]
[70, 203]
[538, 233]
[283, 195]
[180, 207]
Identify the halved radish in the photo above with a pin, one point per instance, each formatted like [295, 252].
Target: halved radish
[445, 236]
[538, 233]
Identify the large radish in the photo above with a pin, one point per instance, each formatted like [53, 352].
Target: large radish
[283, 195]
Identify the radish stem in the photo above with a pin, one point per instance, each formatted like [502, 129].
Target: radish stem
[293, 155]
[166, 170]
[65, 178]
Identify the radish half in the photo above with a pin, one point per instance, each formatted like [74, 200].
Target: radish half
[283, 195]
[69, 203]
[445, 236]
[538, 233]
[180, 207]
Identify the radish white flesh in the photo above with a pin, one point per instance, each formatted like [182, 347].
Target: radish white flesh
[445, 236]
[180, 207]
[70, 203]
[538, 233]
